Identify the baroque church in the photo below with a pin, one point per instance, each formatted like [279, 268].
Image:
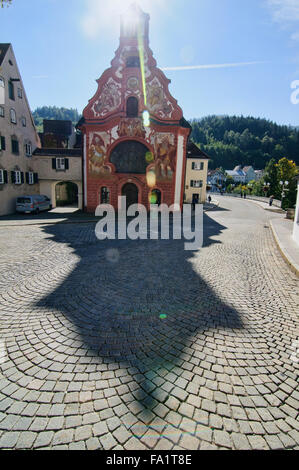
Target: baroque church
[134, 134]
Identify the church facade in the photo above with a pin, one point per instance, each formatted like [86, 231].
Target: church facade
[134, 133]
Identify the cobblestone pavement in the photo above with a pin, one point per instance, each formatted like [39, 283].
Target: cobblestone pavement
[142, 345]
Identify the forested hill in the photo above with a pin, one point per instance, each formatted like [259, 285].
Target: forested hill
[53, 112]
[233, 140]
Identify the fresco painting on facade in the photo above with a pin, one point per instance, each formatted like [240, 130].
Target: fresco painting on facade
[165, 153]
[156, 100]
[109, 100]
[131, 128]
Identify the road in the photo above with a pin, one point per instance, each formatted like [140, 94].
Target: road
[143, 345]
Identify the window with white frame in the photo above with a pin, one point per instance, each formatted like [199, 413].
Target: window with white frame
[2, 113]
[197, 165]
[1, 177]
[196, 183]
[60, 163]
[20, 93]
[18, 177]
[30, 177]
[28, 149]
[13, 116]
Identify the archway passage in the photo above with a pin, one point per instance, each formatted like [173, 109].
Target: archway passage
[66, 194]
[130, 190]
[156, 197]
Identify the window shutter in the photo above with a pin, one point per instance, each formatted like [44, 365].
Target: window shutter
[5, 176]
[66, 163]
[35, 178]
[54, 163]
[193, 165]
[13, 176]
[27, 177]
[2, 147]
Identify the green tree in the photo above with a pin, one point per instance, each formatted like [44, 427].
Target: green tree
[5, 2]
[271, 176]
[286, 171]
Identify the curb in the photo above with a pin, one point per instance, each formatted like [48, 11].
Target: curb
[294, 268]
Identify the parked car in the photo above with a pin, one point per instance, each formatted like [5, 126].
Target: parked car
[33, 204]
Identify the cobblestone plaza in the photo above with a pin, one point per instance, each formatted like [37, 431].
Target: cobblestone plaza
[143, 345]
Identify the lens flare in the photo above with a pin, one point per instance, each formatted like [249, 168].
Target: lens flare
[141, 58]
[149, 157]
[151, 179]
[153, 198]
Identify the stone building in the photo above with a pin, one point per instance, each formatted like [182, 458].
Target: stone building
[134, 133]
[59, 164]
[18, 136]
[196, 174]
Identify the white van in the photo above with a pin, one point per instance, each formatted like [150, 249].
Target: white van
[33, 204]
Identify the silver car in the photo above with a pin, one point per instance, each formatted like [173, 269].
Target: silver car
[33, 204]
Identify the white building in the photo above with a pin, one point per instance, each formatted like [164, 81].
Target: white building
[18, 136]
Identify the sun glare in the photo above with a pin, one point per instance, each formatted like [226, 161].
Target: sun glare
[100, 19]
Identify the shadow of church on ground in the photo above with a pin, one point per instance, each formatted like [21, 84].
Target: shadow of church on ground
[138, 305]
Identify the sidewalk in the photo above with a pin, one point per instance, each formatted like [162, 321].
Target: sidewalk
[282, 230]
[266, 206]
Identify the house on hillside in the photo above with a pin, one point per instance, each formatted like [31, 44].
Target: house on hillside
[18, 136]
[216, 180]
[238, 175]
[249, 173]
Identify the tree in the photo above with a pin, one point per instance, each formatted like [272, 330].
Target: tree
[271, 176]
[286, 171]
[5, 2]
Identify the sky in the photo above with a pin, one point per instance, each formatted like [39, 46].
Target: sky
[232, 57]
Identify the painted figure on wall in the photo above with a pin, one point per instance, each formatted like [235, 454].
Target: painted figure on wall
[165, 152]
[97, 155]
[131, 128]
[157, 102]
[109, 99]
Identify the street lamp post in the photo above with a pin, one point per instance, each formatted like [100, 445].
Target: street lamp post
[266, 188]
[284, 189]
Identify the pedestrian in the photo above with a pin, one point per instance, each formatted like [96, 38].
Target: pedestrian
[209, 199]
[271, 200]
[244, 195]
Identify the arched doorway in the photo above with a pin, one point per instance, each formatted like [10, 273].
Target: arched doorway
[66, 194]
[130, 190]
[156, 197]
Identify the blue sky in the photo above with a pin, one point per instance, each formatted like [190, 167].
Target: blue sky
[63, 46]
